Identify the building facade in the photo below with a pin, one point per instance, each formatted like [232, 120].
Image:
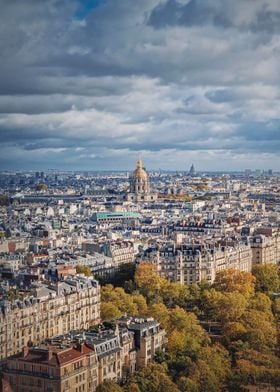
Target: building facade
[51, 310]
[273, 234]
[190, 264]
[51, 369]
[79, 362]
[120, 251]
[264, 250]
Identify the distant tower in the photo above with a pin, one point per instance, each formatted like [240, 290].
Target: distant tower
[192, 170]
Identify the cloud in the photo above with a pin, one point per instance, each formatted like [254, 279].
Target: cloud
[89, 85]
[256, 15]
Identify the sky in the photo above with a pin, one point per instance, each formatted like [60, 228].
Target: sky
[94, 84]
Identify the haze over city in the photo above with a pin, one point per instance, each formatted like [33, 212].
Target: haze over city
[95, 84]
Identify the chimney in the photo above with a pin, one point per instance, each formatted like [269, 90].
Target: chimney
[82, 347]
[49, 353]
[25, 351]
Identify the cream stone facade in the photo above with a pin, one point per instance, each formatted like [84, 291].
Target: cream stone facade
[51, 310]
[190, 264]
[264, 250]
[273, 235]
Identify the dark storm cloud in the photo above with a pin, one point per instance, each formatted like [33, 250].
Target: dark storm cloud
[85, 84]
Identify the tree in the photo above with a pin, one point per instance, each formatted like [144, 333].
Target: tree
[170, 294]
[153, 378]
[182, 347]
[4, 200]
[185, 335]
[116, 301]
[231, 307]
[83, 269]
[218, 360]
[141, 304]
[254, 367]
[276, 308]
[267, 277]
[261, 332]
[185, 384]
[223, 307]
[233, 331]
[109, 311]
[160, 313]
[132, 388]
[262, 303]
[148, 281]
[109, 386]
[210, 300]
[185, 322]
[41, 187]
[230, 280]
[203, 376]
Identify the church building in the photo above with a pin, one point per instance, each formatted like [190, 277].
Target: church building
[140, 190]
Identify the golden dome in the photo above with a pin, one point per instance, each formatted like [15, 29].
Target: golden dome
[139, 172]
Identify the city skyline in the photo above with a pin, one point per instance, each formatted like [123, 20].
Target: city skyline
[93, 84]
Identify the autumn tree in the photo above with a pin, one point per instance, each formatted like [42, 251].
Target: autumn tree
[115, 302]
[154, 378]
[109, 386]
[231, 280]
[261, 302]
[204, 377]
[109, 311]
[160, 313]
[83, 269]
[148, 281]
[276, 308]
[267, 277]
[132, 387]
[254, 367]
[261, 332]
[212, 368]
[185, 384]
[210, 300]
[231, 307]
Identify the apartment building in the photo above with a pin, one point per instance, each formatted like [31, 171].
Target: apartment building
[273, 234]
[192, 263]
[264, 250]
[52, 369]
[80, 361]
[149, 337]
[48, 310]
[120, 251]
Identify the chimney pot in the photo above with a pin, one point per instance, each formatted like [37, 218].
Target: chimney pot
[49, 353]
[25, 351]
